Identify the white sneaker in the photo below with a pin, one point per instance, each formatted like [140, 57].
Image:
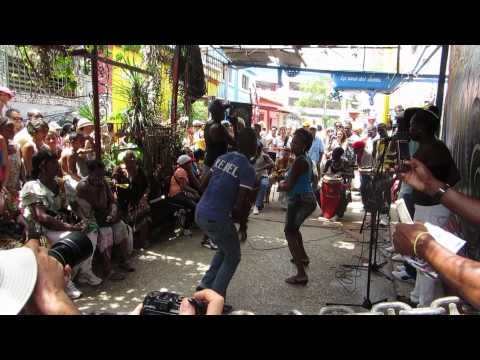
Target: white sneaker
[72, 291]
[397, 257]
[89, 278]
[390, 249]
[400, 268]
[403, 276]
[255, 210]
[334, 218]
[383, 221]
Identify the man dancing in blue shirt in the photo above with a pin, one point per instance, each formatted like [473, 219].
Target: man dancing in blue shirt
[225, 200]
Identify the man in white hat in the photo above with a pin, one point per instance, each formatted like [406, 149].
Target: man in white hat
[86, 128]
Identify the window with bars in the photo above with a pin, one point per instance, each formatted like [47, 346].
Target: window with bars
[245, 82]
[19, 79]
[292, 101]
[212, 67]
[294, 86]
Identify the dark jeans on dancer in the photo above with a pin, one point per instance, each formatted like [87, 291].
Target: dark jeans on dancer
[299, 208]
[184, 201]
[226, 259]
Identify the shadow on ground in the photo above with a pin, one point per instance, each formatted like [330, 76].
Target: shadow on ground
[259, 283]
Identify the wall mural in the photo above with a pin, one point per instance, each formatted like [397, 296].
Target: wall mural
[462, 127]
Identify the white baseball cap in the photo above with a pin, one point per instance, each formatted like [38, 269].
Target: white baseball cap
[53, 125]
[184, 159]
[18, 275]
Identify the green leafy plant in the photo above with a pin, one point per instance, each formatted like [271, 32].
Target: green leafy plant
[86, 111]
[316, 94]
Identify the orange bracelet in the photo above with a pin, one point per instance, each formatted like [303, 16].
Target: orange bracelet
[419, 235]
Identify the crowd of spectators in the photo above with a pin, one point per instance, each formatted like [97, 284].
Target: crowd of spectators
[52, 185]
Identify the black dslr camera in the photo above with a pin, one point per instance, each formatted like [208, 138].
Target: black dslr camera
[167, 303]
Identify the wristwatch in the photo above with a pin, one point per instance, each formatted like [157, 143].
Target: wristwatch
[440, 192]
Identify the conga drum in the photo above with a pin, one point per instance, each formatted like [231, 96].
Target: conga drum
[330, 195]
[365, 171]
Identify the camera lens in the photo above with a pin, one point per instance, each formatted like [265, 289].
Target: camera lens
[72, 249]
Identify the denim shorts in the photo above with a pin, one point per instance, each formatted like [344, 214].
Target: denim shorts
[299, 208]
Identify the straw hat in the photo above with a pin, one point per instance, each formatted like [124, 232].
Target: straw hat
[83, 123]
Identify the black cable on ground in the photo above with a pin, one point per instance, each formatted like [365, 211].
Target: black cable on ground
[304, 225]
[348, 276]
[286, 246]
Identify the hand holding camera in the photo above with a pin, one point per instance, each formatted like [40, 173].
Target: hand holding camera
[204, 302]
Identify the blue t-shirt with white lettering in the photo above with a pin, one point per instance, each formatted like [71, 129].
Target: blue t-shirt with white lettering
[229, 172]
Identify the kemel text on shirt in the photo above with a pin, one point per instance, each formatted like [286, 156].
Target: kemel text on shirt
[227, 167]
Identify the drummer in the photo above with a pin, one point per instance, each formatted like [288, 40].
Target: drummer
[337, 168]
[337, 165]
[364, 161]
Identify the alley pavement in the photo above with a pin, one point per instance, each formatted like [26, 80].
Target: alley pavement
[259, 282]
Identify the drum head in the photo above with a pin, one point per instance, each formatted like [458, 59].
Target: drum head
[366, 170]
[332, 179]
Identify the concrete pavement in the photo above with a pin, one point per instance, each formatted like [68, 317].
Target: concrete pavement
[258, 284]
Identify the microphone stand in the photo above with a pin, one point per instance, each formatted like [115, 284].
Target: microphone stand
[375, 202]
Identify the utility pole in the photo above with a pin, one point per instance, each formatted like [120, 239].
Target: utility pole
[441, 78]
[176, 61]
[324, 109]
[96, 105]
[398, 59]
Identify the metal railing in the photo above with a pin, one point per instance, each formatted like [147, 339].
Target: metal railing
[19, 78]
[451, 305]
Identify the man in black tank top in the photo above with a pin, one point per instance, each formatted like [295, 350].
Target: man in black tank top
[217, 137]
[432, 152]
